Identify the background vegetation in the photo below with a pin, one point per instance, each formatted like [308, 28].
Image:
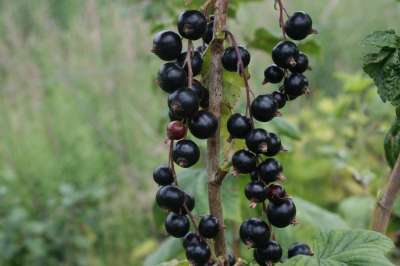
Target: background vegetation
[82, 125]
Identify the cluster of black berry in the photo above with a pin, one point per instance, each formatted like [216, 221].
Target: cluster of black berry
[256, 159]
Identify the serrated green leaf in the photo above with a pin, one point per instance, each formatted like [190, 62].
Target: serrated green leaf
[357, 211]
[169, 249]
[380, 39]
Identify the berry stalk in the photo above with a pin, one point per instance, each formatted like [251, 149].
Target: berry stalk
[282, 12]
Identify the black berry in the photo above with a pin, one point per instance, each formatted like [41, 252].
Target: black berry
[274, 144]
[276, 193]
[186, 153]
[281, 214]
[202, 93]
[264, 108]
[209, 226]
[192, 24]
[191, 239]
[208, 34]
[301, 64]
[255, 191]
[197, 62]
[273, 74]
[174, 117]
[170, 198]
[231, 260]
[244, 161]
[198, 254]
[171, 77]
[270, 170]
[163, 176]
[271, 252]
[203, 125]
[230, 59]
[254, 232]
[298, 26]
[284, 54]
[299, 249]
[279, 98]
[296, 84]
[176, 130]
[254, 175]
[167, 45]
[183, 102]
[257, 140]
[239, 126]
[177, 225]
[189, 202]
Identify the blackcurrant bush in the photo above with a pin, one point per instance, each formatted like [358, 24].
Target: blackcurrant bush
[270, 170]
[163, 176]
[177, 225]
[170, 198]
[298, 26]
[299, 249]
[189, 202]
[281, 214]
[208, 34]
[239, 126]
[257, 140]
[271, 252]
[274, 144]
[230, 59]
[202, 93]
[256, 191]
[176, 130]
[273, 74]
[209, 226]
[296, 84]
[254, 232]
[284, 54]
[279, 98]
[264, 108]
[203, 125]
[167, 45]
[198, 254]
[171, 77]
[186, 153]
[183, 102]
[191, 239]
[231, 260]
[301, 64]
[192, 24]
[197, 62]
[244, 161]
[276, 193]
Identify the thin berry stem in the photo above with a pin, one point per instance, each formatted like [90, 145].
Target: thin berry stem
[188, 61]
[282, 12]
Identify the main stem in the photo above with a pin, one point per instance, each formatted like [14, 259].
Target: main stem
[213, 144]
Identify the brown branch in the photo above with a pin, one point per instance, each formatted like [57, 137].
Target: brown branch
[383, 209]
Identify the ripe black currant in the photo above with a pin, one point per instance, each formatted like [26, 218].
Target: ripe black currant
[230, 59]
[171, 77]
[254, 232]
[198, 254]
[176, 130]
[208, 34]
[281, 214]
[192, 24]
[177, 225]
[271, 252]
[273, 74]
[264, 108]
[255, 191]
[274, 144]
[270, 170]
[170, 198]
[186, 153]
[284, 54]
[298, 26]
[244, 161]
[279, 98]
[174, 117]
[191, 239]
[254, 175]
[301, 64]
[296, 84]
[203, 125]
[197, 62]
[167, 45]
[163, 176]
[276, 193]
[257, 140]
[189, 202]
[202, 93]
[239, 126]
[183, 102]
[299, 249]
[209, 226]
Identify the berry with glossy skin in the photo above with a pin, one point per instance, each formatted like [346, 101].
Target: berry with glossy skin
[167, 45]
[281, 214]
[276, 193]
[272, 252]
[203, 125]
[273, 74]
[255, 191]
[239, 126]
[245, 230]
[299, 249]
[209, 226]
[183, 102]
[244, 161]
[163, 176]
[254, 232]
[177, 225]
[274, 144]
[257, 140]
[264, 108]
[191, 239]
[186, 153]
[171, 77]
[301, 64]
[279, 98]
[198, 254]
[189, 202]
[208, 34]
[197, 62]
[296, 84]
[176, 130]
[202, 93]
[230, 59]
[170, 198]
[270, 170]
[192, 24]
[284, 54]
[298, 26]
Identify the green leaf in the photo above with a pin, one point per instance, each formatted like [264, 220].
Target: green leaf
[392, 143]
[381, 39]
[284, 127]
[168, 250]
[357, 211]
[175, 263]
[347, 248]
